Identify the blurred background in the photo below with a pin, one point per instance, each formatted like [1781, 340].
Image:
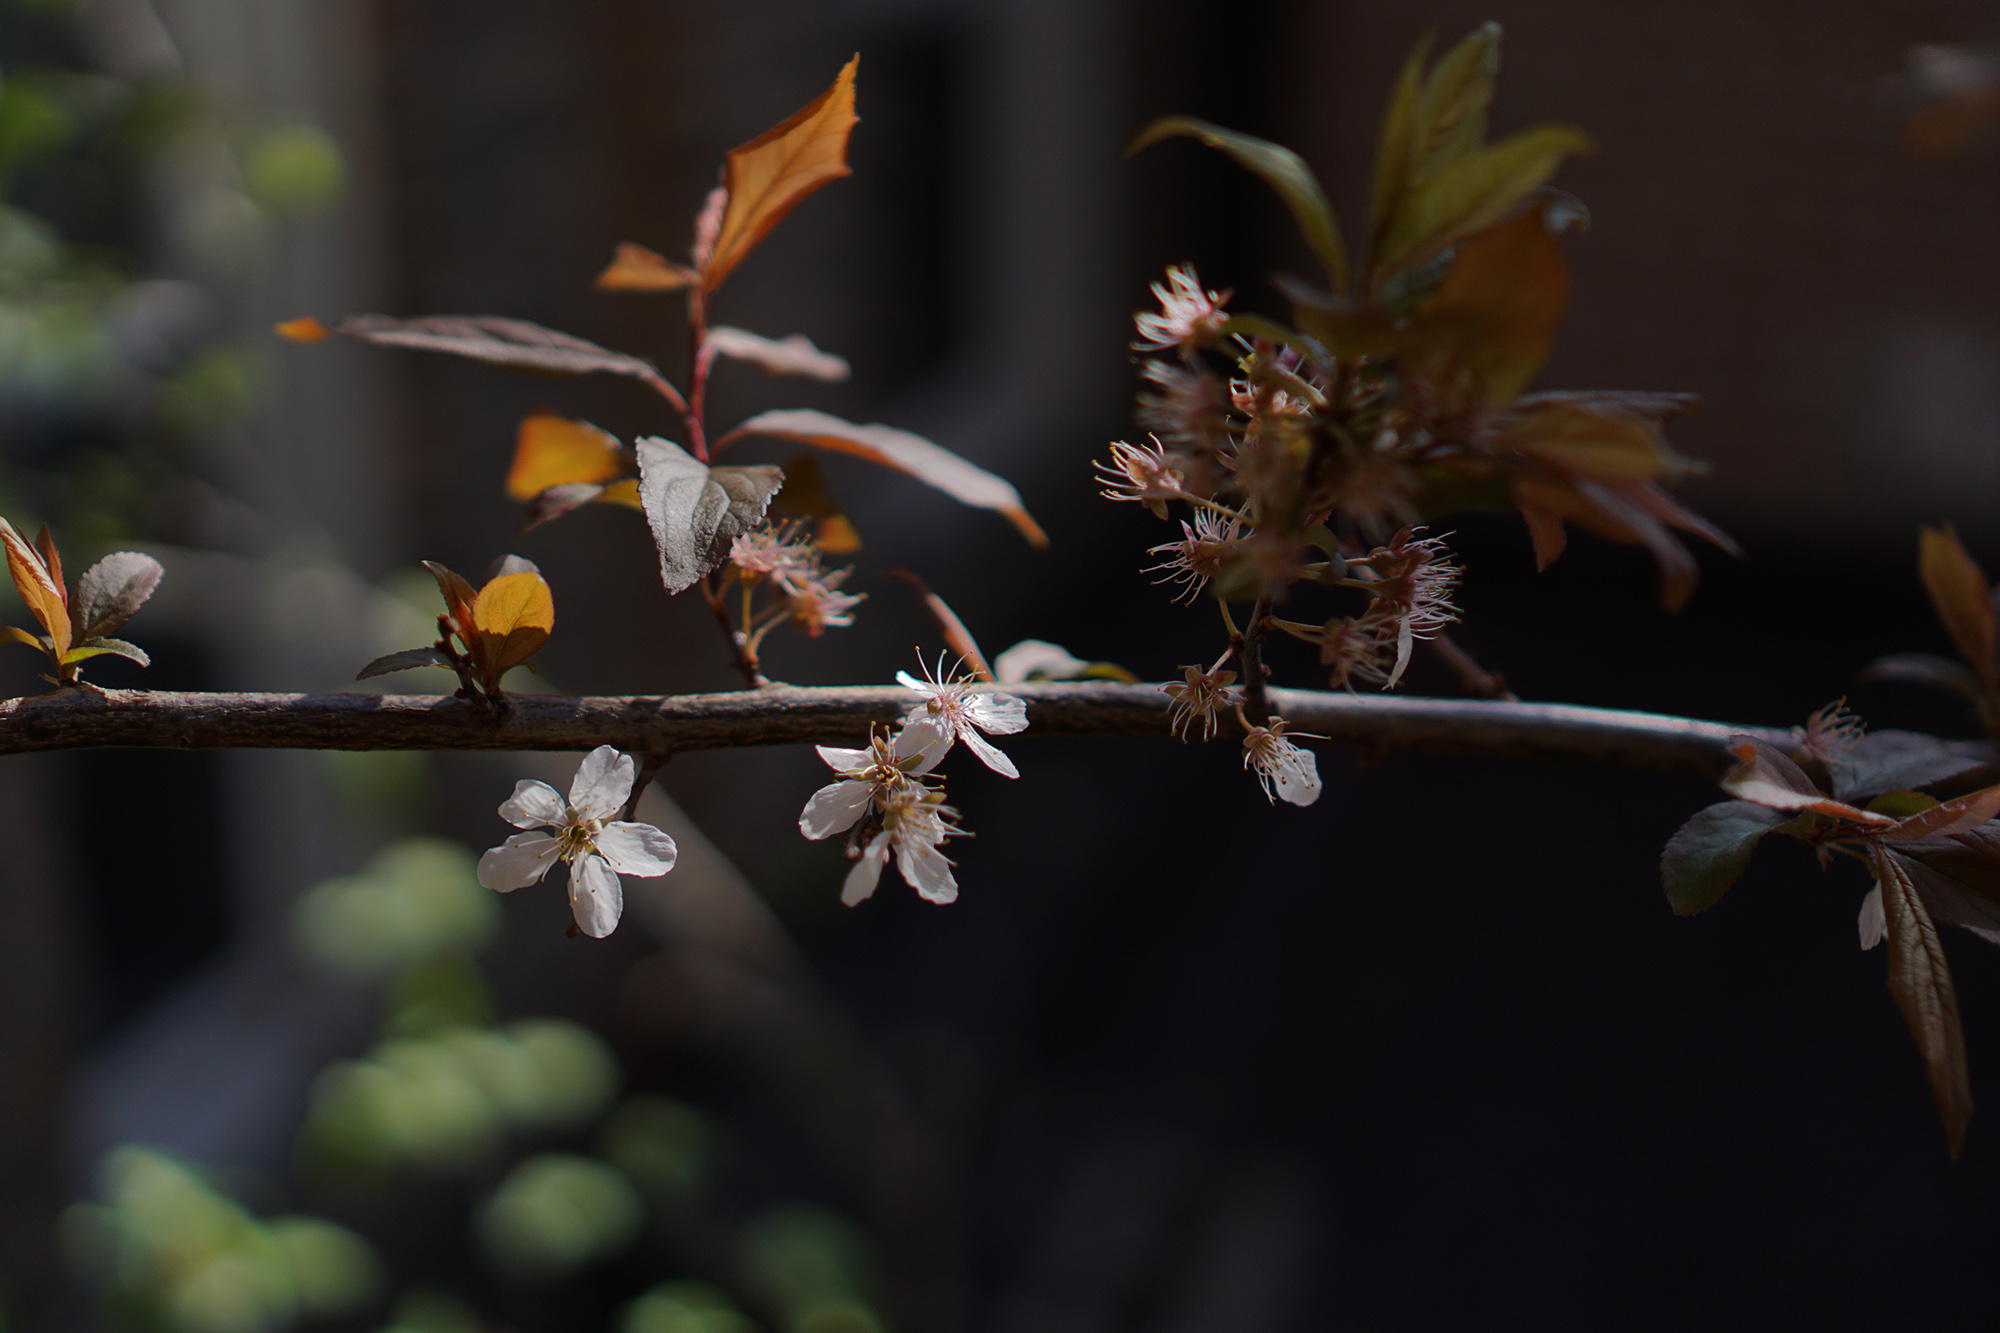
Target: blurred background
[1431, 1051]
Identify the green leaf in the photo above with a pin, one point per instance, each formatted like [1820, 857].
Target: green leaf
[112, 591]
[1473, 193]
[1278, 167]
[1450, 123]
[1709, 852]
[9, 632]
[1392, 151]
[695, 511]
[404, 661]
[100, 646]
[1920, 981]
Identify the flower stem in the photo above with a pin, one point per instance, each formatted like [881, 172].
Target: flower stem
[1256, 703]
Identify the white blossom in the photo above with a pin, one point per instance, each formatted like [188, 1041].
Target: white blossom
[1188, 316]
[915, 826]
[962, 710]
[584, 836]
[1287, 772]
[885, 808]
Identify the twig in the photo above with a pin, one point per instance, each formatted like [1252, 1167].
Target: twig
[1256, 696]
[649, 768]
[789, 715]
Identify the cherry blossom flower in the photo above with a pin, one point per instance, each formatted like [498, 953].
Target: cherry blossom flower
[1358, 648]
[1287, 772]
[815, 602]
[1143, 475]
[962, 709]
[913, 827]
[1198, 556]
[776, 553]
[883, 806]
[1189, 408]
[1829, 733]
[1199, 699]
[1415, 579]
[889, 766]
[585, 836]
[1188, 317]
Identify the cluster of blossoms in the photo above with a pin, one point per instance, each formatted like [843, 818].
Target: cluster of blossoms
[804, 591]
[887, 803]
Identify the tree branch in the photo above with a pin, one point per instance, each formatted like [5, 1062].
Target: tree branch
[789, 715]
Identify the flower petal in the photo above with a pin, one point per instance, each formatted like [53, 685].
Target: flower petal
[636, 849]
[532, 805]
[922, 687]
[603, 781]
[1296, 776]
[997, 714]
[1873, 923]
[835, 808]
[925, 740]
[841, 760]
[989, 754]
[926, 870]
[867, 872]
[596, 896]
[518, 862]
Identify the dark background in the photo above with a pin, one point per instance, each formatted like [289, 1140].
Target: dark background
[1431, 1052]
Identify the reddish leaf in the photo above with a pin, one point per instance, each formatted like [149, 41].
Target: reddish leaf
[1959, 592]
[775, 172]
[634, 268]
[793, 354]
[904, 452]
[514, 343]
[1495, 317]
[807, 495]
[554, 451]
[1948, 817]
[1708, 853]
[1770, 779]
[458, 596]
[112, 591]
[1920, 981]
[956, 636]
[45, 600]
[696, 511]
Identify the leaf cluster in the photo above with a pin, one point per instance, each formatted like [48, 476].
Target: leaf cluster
[76, 629]
[483, 633]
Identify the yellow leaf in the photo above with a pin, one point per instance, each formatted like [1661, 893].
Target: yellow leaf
[1451, 111]
[624, 492]
[1590, 445]
[1958, 590]
[634, 268]
[31, 579]
[9, 632]
[1472, 193]
[807, 495]
[555, 451]
[773, 173]
[1495, 317]
[1392, 151]
[45, 546]
[514, 615]
[307, 330]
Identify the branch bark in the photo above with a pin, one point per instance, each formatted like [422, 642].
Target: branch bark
[790, 715]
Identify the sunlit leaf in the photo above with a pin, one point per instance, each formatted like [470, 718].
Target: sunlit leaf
[1707, 854]
[554, 451]
[634, 268]
[905, 452]
[1495, 316]
[1920, 981]
[112, 591]
[307, 330]
[773, 173]
[793, 354]
[458, 594]
[45, 599]
[1281, 169]
[17, 635]
[695, 511]
[624, 492]
[1472, 194]
[806, 495]
[1958, 590]
[515, 614]
[1770, 779]
[404, 661]
[98, 647]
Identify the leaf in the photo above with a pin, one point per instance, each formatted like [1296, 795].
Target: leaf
[556, 501]
[112, 591]
[1959, 592]
[514, 616]
[1472, 194]
[1769, 778]
[1393, 150]
[1948, 817]
[45, 546]
[1707, 854]
[773, 173]
[1584, 442]
[404, 661]
[458, 594]
[1894, 761]
[511, 564]
[1278, 167]
[1450, 123]
[793, 354]
[1495, 317]
[695, 511]
[1959, 878]
[31, 579]
[554, 451]
[956, 636]
[1920, 981]
[634, 268]
[307, 330]
[513, 343]
[899, 449]
[1925, 669]
[15, 635]
[97, 647]
[806, 495]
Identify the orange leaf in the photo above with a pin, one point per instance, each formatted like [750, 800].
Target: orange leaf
[1958, 590]
[307, 330]
[956, 636]
[45, 545]
[1495, 317]
[1545, 529]
[806, 495]
[458, 596]
[37, 589]
[624, 492]
[514, 615]
[1954, 816]
[634, 268]
[773, 173]
[555, 451]
[1771, 779]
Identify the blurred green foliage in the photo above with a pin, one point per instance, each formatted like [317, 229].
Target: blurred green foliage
[685, 1307]
[555, 1213]
[415, 899]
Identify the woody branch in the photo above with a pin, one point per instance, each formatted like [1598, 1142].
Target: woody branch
[783, 715]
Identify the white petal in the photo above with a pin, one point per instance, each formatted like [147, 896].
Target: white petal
[843, 761]
[926, 870]
[997, 714]
[596, 896]
[1872, 924]
[1404, 642]
[834, 809]
[1036, 657]
[867, 872]
[636, 849]
[989, 755]
[922, 687]
[926, 740]
[532, 805]
[1296, 777]
[602, 783]
[518, 862]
